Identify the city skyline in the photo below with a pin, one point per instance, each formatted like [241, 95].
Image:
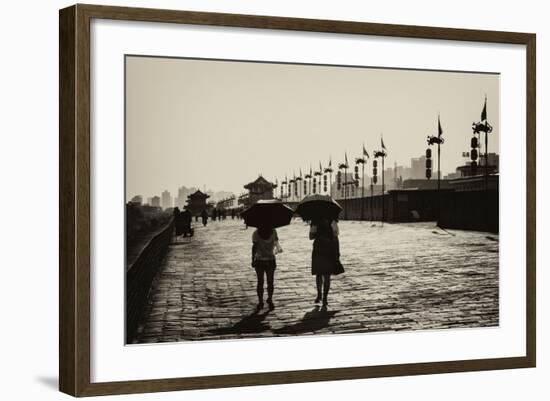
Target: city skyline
[392, 172]
[272, 119]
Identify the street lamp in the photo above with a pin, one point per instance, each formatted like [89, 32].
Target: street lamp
[437, 140]
[344, 166]
[318, 175]
[329, 171]
[283, 184]
[298, 185]
[382, 154]
[478, 128]
[362, 161]
[308, 178]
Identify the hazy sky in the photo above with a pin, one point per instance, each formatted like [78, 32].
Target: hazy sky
[220, 123]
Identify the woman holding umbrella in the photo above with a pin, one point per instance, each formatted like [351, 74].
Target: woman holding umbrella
[266, 215]
[323, 212]
[265, 244]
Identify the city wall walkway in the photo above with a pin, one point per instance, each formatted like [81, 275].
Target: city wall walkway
[398, 277]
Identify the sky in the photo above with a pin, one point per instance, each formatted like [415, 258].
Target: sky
[219, 124]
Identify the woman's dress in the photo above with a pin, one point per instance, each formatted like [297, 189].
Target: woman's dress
[325, 258]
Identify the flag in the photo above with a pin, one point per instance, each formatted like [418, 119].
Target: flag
[484, 111]
[330, 162]
[439, 129]
[382, 142]
[320, 168]
[346, 158]
[300, 172]
[365, 153]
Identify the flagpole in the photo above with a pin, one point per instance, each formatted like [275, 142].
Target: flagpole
[300, 187]
[486, 165]
[346, 188]
[363, 190]
[371, 196]
[345, 192]
[439, 142]
[438, 156]
[330, 183]
[383, 205]
[486, 161]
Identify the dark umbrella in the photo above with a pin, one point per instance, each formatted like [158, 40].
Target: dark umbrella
[317, 207]
[270, 213]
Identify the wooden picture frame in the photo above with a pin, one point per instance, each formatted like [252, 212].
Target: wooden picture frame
[74, 203]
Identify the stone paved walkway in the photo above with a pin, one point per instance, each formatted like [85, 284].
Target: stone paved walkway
[398, 277]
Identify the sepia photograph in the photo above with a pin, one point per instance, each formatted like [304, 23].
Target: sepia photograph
[269, 199]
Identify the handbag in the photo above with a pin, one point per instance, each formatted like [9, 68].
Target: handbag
[339, 268]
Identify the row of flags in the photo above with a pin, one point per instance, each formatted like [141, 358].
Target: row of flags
[365, 153]
[326, 170]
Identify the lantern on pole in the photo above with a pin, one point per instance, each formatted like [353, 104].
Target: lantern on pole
[298, 185]
[428, 163]
[344, 166]
[478, 128]
[382, 154]
[362, 160]
[437, 140]
[474, 144]
[328, 170]
[308, 181]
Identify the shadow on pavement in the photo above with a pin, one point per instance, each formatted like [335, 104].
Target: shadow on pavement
[252, 323]
[314, 320]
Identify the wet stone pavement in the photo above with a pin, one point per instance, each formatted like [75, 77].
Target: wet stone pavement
[398, 277]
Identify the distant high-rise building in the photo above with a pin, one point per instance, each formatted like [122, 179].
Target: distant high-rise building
[155, 201]
[182, 197]
[401, 173]
[493, 159]
[418, 167]
[137, 200]
[166, 200]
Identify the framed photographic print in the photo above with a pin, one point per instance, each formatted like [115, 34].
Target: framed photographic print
[238, 192]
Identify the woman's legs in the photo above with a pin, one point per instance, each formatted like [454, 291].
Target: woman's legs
[319, 283]
[326, 288]
[270, 273]
[260, 285]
